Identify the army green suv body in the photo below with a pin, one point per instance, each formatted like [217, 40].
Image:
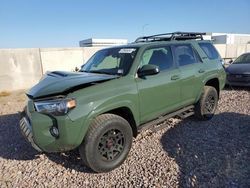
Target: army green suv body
[120, 90]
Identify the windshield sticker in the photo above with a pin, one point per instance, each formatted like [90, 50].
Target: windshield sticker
[126, 50]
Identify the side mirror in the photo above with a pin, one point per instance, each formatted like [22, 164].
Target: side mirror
[230, 62]
[147, 70]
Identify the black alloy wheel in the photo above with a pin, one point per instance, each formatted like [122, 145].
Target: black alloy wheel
[206, 106]
[111, 144]
[107, 143]
[209, 104]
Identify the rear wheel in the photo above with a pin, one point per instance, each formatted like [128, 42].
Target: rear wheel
[206, 106]
[107, 143]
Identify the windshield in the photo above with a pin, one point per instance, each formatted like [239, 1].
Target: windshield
[115, 61]
[243, 59]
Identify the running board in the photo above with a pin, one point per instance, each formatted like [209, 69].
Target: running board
[158, 124]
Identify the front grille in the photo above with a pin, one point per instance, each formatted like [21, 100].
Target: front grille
[238, 78]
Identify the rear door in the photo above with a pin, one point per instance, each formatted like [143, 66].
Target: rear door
[212, 61]
[158, 94]
[192, 72]
[210, 56]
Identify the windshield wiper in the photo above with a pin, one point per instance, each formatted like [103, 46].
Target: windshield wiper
[82, 71]
[98, 72]
[101, 72]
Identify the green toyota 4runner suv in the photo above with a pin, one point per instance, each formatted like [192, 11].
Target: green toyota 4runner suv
[119, 92]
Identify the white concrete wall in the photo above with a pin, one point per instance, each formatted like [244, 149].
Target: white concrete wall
[240, 49]
[221, 48]
[23, 68]
[232, 50]
[19, 68]
[65, 59]
[61, 58]
[89, 51]
[221, 39]
[241, 39]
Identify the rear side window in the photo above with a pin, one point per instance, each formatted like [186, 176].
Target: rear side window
[184, 54]
[209, 50]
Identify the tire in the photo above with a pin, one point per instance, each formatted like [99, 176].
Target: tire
[107, 143]
[206, 106]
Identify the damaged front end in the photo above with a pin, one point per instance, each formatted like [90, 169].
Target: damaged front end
[46, 122]
[61, 83]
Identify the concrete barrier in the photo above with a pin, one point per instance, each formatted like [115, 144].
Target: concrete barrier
[248, 48]
[61, 58]
[19, 68]
[221, 48]
[65, 59]
[232, 51]
[240, 49]
[88, 52]
[23, 68]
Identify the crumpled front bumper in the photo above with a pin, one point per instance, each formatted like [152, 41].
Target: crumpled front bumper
[26, 130]
[36, 128]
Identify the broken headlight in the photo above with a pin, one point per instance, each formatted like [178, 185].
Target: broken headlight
[56, 107]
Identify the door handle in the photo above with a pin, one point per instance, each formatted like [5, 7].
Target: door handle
[201, 71]
[175, 77]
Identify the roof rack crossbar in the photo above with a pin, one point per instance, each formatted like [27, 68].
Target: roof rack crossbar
[171, 36]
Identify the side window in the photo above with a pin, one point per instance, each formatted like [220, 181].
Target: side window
[184, 54]
[161, 57]
[197, 56]
[209, 50]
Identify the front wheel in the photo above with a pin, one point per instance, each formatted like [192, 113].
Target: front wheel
[206, 106]
[107, 143]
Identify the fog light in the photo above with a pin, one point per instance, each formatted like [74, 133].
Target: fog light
[54, 131]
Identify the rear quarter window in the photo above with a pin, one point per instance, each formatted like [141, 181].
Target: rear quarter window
[209, 50]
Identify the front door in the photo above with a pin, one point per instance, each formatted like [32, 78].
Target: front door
[159, 94]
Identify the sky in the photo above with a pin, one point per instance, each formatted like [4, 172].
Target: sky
[63, 23]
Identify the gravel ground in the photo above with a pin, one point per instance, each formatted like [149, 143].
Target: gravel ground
[186, 153]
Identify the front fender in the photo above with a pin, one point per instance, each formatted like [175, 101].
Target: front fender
[103, 108]
[102, 98]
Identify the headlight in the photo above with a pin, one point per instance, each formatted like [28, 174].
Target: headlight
[57, 107]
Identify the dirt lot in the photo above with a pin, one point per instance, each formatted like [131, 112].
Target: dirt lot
[187, 153]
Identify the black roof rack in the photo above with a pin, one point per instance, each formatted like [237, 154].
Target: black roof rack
[171, 36]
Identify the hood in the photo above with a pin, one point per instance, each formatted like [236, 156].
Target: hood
[238, 69]
[61, 82]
